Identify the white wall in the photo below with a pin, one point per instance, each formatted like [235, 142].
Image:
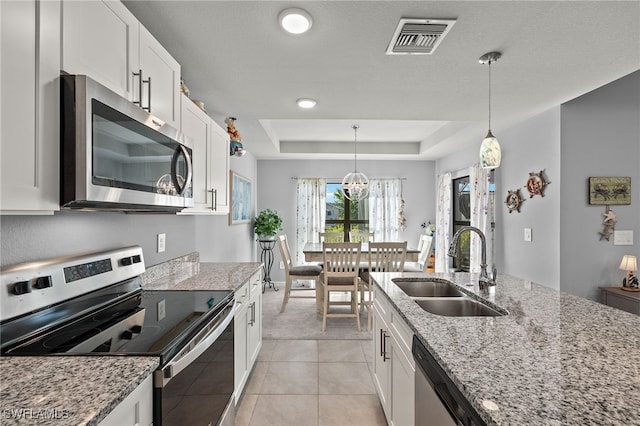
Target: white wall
[277, 190]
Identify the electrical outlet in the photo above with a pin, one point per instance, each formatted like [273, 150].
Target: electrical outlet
[161, 310]
[161, 242]
[527, 234]
[281, 264]
[622, 238]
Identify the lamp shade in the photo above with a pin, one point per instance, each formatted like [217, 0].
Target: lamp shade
[490, 153]
[629, 263]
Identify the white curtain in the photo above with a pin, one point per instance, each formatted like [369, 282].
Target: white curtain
[443, 222]
[384, 208]
[480, 205]
[311, 210]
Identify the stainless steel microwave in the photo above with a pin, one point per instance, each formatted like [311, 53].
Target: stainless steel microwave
[117, 156]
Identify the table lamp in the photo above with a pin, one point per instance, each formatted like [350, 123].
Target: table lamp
[630, 265]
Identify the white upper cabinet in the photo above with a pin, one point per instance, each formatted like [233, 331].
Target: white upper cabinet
[29, 119]
[210, 160]
[102, 39]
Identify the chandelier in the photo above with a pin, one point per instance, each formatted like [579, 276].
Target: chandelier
[490, 153]
[355, 185]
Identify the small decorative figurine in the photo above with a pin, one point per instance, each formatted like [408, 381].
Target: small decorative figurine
[235, 147]
[536, 184]
[609, 224]
[513, 200]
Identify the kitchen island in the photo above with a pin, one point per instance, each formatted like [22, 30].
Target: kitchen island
[555, 359]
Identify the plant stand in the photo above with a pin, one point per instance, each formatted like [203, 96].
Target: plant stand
[266, 257]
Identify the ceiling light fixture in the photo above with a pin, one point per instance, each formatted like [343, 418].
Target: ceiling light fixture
[295, 21]
[306, 103]
[355, 185]
[490, 153]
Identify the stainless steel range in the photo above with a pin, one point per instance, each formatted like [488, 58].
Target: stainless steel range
[93, 304]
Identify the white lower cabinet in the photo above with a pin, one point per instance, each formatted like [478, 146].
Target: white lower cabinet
[247, 331]
[135, 410]
[394, 367]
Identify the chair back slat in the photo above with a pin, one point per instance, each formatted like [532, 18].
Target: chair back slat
[285, 252]
[331, 237]
[341, 259]
[425, 249]
[387, 257]
[361, 237]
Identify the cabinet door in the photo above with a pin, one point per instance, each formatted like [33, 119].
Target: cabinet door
[135, 409]
[100, 39]
[402, 386]
[240, 368]
[254, 342]
[220, 167]
[197, 126]
[156, 63]
[381, 363]
[29, 120]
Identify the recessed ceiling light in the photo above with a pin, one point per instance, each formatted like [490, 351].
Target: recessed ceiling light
[295, 21]
[306, 103]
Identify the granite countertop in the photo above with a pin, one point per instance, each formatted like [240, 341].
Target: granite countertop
[67, 391]
[555, 359]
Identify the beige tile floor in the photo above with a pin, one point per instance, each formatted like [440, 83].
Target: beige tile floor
[311, 382]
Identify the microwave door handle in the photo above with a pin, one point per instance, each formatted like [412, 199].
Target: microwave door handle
[176, 365]
[174, 169]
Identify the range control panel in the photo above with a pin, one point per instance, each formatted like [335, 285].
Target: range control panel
[31, 286]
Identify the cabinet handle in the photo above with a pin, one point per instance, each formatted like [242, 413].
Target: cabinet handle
[139, 75]
[252, 319]
[149, 94]
[385, 356]
[381, 340]
[214, 199]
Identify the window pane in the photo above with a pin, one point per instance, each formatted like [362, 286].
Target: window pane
[338, 218]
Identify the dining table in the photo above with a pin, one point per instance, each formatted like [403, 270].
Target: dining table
[313, 252]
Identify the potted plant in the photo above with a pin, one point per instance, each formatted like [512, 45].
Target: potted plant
[267, 224]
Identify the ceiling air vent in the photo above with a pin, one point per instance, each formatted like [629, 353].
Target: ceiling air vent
[418, 36]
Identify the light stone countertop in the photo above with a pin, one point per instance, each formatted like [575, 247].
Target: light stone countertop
[83, 390]
[555, 359]
[67, 390]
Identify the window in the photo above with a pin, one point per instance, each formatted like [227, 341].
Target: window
[344, 215]
[461, 213]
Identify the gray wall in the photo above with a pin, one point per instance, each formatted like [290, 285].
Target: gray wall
[600, 137]
[597, 134]
[278, 190]
[27, 238]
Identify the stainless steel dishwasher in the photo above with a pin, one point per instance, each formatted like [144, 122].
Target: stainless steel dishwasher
[438, 401]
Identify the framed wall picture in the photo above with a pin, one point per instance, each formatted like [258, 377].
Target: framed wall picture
[240, 199]
[609, 190]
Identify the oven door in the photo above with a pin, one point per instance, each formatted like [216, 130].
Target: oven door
[195, 387]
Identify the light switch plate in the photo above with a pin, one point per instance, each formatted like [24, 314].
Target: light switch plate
[527, 234]
[623, 238]
[161, 242]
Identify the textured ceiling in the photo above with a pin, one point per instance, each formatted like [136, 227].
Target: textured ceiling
[238, 61]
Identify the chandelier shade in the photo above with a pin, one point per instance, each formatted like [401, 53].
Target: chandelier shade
[355, 185]
[490, 152]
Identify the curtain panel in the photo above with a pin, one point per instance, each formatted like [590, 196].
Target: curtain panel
[311, 210]
[480, 199]
[385, 196]
[443, 222]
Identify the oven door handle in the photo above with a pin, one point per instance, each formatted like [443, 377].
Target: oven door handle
[212, 331]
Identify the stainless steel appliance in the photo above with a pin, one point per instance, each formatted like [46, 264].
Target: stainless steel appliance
[93, 304]
[438, 400]
[116, 155]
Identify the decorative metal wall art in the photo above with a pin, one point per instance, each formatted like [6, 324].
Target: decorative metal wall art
[609, 224]
[609, 190]
[536, 184]
[513, 200]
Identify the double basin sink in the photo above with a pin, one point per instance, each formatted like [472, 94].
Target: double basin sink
[441, 297]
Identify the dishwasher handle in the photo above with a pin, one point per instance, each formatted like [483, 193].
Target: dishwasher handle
[196, 346]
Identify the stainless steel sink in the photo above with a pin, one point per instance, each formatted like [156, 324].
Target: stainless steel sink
[427, 288]
[457, 307]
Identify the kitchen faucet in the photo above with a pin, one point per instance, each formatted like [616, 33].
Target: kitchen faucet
[485, 280]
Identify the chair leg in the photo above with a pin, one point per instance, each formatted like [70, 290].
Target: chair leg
[325, 306]
[354, 298]
[287, 291]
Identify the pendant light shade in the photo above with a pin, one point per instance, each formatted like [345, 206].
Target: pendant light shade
[490, 152]
[355, 185]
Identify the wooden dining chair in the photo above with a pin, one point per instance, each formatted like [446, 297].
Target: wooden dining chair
[425, 246]
[331, 237]
[297, 272]
[341, 265]
[361, 237]
[382, 257]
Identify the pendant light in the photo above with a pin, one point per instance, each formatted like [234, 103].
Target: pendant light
[355, 185]
[490, 154]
